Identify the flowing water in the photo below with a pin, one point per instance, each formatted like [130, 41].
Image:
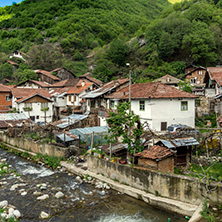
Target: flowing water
[82, 202]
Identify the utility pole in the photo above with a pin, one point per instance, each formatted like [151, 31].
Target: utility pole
[74, 99]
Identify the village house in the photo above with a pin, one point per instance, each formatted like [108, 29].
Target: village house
[5, 99]
[169, 80]
[59, 98]
[74, 95]
[215, 74]
[157, 104]
[19, 54]
[88, 76]
[157, 158]
[95, 100]
[47, 77]
[32, 84]
[63, 73]
[197, 76]
[34, 103]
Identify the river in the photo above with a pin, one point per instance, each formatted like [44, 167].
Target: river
[82, 202]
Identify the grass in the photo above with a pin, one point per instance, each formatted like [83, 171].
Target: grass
[207, 214]
[214, 172]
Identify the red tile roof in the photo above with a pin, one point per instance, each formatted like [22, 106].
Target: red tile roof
[12, 63]
[42, 84]
[21, 92]
[65, 83]
[153, 90]
[88, 76]
[155, 153]
[4, 88]
[114, 83]
[79, 87]
[11, 86]
[216, 74]
[46, 73]
[30, 96]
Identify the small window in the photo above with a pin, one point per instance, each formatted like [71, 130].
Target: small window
[142, 105]
[92, 104]
[184, 105]
[200, 72]
[28, 105]
[163, 126]
[44, 105]
[193, 80]
[70, 98]
[37, 117]
[8, 98]
[74, 98]
[112, 104]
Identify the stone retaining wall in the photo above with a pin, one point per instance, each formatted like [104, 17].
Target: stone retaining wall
[177, 187]
[35, 147]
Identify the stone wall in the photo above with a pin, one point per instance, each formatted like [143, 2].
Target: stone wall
[177, 187]
[35, 147]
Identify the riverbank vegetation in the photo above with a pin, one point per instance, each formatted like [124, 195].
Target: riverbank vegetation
[50, 161]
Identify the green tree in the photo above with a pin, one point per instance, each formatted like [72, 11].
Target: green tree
[120, 123]
[118, 52]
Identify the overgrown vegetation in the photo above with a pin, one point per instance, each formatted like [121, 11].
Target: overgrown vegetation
[207, 214]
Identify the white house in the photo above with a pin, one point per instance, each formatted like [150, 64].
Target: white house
[74, 95]
[157, 104]
[32, 84]
[34, 103]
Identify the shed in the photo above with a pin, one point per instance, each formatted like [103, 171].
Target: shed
[86, 134]
[67, 138]
[157, 158]
[183, 148]
[118, 149]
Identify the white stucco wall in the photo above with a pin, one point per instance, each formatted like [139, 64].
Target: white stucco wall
[165, 110]
[36, 111]
[29, 86]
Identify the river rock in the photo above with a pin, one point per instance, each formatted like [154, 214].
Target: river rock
[15, 186]
[37, 193]
[3, 160]
[44, 215]
[17, 214]
[59, 195]
[43, 197]
[11, 211]
[3, 204]
[3, 215]
[24, 193]
[5, 168]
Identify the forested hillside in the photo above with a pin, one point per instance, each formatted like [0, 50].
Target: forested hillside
[64, 32]
[155, 37]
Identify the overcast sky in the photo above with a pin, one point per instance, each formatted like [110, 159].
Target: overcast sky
[8, 2]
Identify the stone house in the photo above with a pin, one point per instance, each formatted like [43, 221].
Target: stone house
[47, 77]
[157, 158]
[157, 104]
[169, 80]
[63, 73]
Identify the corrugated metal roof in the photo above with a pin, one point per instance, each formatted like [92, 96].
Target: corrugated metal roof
[179, 142]
[185, 142]
[71, 120]
[167, 144]
[67, 138]
[89, 130]
[13, 116]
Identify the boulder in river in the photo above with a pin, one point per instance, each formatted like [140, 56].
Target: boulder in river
[59, 195]
[44, 215]
[3, 204]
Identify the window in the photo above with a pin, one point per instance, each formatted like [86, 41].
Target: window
[28, 105]
[37, 117]
[44, 105]
[200, 72]
[112, 104]
[74, 98]
[70, 98]
[142, 105]
[8, 98]
[163, 126]
[193, 80]
[92, 103]
[184, 105]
